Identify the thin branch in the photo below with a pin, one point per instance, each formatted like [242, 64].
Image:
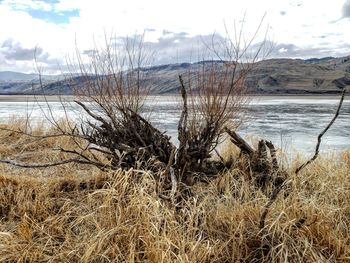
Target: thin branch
[278, 189]
[40, 137]
[183, 118]
[321, 134]
[96, 117]
[45, 165]
[272, 199]
[173, 185]
[171, 161]
[219, 155]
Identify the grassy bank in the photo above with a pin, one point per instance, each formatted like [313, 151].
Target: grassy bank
[77, 213]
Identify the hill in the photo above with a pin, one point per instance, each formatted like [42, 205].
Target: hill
[273, 76]
[11, 76]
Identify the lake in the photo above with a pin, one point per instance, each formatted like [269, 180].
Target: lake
[290, 122]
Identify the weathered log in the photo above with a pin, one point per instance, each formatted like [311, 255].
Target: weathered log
[264, 167]
[239, 142]
[262, 163]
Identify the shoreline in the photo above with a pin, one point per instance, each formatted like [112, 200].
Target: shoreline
[31, 97]
[57, 98]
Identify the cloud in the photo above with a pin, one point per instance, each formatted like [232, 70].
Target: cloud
[282, 50]
[15, 57]
[181, 47]
[172, 47]
[150, 30]
[47, 10]
[29, 4]
[346, 9]
[14, 51]
[287, 50]
[175, 33]
[42, 5]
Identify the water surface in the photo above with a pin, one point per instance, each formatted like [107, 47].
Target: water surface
[291, 123]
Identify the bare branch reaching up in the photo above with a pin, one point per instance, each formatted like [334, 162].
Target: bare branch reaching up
[317, 149]
[278, 189]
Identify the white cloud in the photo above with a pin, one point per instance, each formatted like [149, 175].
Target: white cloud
[282, 50]
[28, 4]
[303, 22]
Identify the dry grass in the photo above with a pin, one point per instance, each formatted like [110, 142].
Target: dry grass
[75, 213]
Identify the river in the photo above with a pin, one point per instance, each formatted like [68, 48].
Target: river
[290, 122]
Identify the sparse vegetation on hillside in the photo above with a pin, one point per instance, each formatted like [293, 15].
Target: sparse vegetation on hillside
[270, 76]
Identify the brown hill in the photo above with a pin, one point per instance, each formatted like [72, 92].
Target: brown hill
[273, 76]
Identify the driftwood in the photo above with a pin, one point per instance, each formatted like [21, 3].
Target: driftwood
[264, 169]
[262, 163]
[127, 139]
[239, 142]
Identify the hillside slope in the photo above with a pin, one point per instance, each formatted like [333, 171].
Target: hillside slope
[274, 76]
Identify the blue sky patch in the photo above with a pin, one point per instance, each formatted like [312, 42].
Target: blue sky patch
[43, 9]
[54, 17]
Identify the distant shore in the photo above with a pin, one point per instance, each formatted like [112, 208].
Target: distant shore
[33, 98]
[56, 98]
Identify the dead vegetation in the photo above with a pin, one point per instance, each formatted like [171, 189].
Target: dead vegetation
[73, 214]
[117, 189]
[113, 133]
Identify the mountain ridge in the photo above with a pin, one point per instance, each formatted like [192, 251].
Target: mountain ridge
[271, 76]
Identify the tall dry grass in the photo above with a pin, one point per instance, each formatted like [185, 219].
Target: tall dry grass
[74, 213]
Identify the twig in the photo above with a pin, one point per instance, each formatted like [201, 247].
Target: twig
[219, 155]
[173, 185]
[272, 199]
[321, 134]
[278, 189]
[93, 115]
[183, 118]
[170, 162]
[45, 165]
[182, 131]
[41, 137]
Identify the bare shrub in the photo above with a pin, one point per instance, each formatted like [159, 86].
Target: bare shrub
[214, 93]
[110, 88]
[113, 94]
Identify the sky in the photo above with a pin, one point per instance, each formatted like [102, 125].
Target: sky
[174, 30]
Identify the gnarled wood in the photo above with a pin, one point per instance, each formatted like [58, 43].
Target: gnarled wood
[262, 162]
